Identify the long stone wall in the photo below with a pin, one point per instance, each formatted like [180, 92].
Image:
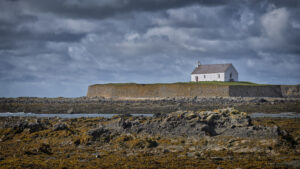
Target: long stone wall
[255, 91]
[290, 90]
[127, 91]
[156, 90]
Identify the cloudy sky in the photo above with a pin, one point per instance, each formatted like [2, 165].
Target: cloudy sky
[51, 48]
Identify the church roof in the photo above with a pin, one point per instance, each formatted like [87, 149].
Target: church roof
[211, 68]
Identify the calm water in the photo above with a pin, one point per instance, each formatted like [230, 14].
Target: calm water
[21, 114]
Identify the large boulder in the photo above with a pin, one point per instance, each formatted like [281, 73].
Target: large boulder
[37, 125]
[60, 126]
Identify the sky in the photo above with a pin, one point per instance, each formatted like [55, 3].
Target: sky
[52, 48]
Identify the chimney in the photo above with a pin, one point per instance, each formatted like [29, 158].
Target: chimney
[199, 63]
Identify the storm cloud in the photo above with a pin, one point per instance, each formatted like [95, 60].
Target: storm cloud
[59, 47]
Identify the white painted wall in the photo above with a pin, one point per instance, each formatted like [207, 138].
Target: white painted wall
[235, 75]
[208, 77]
[215, 76]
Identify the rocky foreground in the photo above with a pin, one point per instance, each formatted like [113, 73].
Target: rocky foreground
[161, 105]
[225, 138]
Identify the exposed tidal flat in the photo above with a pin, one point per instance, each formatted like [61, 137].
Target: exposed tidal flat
[195, 132]
[100, 105]
[224, 138]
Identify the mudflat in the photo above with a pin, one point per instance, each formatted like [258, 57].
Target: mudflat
[140, 106]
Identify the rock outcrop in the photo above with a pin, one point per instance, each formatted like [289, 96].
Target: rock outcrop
[223, 122]
[224, 138]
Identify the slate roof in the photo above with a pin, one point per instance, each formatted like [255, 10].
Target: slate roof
[211, 68]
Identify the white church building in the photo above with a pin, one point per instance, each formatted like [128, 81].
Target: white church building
[214, 72]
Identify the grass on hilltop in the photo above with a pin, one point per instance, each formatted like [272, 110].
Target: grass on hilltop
[243, 83]
[222, 83]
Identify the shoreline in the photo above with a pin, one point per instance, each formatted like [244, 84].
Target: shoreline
[100, 105]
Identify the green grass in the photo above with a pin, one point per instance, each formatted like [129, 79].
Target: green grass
[243, 83]
[222, 83]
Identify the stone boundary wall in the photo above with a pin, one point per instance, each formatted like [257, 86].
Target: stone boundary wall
[255, 91]
[290, 90]
[156, 90]
[127, 91]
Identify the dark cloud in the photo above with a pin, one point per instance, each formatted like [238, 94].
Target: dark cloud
[59, 47]
[107, 8]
